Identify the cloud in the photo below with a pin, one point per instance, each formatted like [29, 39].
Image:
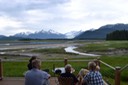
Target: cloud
[6, 21]
[60, 15]
[9, 26]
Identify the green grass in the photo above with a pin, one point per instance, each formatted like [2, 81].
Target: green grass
[14, 69]
[104, 46]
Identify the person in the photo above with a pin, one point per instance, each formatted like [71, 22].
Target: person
[35, 76]
[68, 73]
[93, 77]
[81, 74]
[97, 68]
[30, 62]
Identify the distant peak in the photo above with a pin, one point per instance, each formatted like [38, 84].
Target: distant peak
[23, 33]
[52, 31]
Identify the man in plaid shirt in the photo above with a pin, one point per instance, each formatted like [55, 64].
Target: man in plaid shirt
[93, 77]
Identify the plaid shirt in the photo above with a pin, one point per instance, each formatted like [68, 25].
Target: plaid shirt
[93, 78]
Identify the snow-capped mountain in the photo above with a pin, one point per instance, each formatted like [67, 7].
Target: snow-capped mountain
[50, 34]
[22, 34]
[72, 34]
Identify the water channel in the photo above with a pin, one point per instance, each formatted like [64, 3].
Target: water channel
[71, 49]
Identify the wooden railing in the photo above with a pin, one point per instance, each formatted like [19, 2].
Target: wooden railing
[117, 69]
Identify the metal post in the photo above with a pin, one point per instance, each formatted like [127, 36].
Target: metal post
[1, 70]
[65, 61]
[117, 75]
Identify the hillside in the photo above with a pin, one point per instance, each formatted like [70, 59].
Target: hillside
[102, 31]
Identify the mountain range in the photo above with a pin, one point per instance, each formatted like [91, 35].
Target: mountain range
[41, 35]
[99, 33]
[50, 34]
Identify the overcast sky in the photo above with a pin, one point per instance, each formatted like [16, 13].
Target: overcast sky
[59, 15]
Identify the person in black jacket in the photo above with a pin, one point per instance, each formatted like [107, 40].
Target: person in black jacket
[68, 69]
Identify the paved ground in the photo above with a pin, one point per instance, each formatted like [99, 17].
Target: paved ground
[20, 81]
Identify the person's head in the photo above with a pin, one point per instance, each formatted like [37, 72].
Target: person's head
[36, 63]
[92, 65]
[83, 72]
[97, 68]
[68, 68]
[32, 58]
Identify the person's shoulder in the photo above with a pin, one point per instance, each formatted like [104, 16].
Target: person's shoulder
[98, 73]
[27, 72]
[63, 74]
[89, 73]
[43, 72]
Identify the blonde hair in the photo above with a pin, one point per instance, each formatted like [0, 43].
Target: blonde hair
[97, 68]
[83, 72]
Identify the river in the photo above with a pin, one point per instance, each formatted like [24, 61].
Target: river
[70, 49]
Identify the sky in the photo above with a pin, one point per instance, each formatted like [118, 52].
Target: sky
[59, 15]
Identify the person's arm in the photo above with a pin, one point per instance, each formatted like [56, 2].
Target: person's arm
[48, 75]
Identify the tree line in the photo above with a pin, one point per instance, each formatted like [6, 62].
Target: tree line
[117, 35]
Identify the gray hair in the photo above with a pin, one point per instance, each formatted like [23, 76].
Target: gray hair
[68, 68]
[36, 63]
[68, 65]
[92, 65]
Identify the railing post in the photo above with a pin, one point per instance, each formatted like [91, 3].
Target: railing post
[65, 61]
[1, 70]
[117, 75]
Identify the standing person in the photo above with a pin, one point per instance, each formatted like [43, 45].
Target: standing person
[30, 62]
[68, 69]
[93, 77]
[35, 76]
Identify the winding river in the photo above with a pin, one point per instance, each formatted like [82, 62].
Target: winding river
[70, 49]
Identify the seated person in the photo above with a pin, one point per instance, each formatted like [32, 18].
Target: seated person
[81, 74]
[68, 73]
[93, 77]
[35, 76]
